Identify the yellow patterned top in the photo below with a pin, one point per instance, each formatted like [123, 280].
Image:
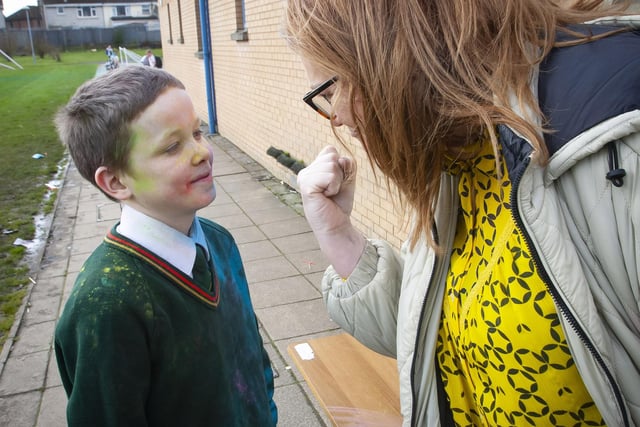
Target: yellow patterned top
[501, 350]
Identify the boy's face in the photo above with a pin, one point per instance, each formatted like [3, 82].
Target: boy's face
[170, 164]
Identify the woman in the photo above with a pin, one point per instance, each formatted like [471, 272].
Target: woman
[512, 133]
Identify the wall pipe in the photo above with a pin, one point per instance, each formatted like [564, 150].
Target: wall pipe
[205, 30]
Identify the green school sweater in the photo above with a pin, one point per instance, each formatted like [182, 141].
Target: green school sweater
[140, 344]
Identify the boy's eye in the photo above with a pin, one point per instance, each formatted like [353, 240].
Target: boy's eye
[197, 134]
[172, 147]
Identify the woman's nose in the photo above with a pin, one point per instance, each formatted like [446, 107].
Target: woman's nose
[336, 121]
[340, 114]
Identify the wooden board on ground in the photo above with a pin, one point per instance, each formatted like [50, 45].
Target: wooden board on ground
[354, 385]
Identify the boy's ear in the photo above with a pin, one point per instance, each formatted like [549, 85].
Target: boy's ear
[110, 183]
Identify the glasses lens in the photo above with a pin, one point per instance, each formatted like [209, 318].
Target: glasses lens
[323, 105]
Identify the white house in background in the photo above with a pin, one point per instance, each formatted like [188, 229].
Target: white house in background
[103, 14]
[3, 24]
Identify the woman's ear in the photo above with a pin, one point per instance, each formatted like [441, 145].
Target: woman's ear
[110, 183]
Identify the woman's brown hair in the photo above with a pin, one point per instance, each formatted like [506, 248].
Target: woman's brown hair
[433, 74]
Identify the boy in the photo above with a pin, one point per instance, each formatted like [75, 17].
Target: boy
[147, 337]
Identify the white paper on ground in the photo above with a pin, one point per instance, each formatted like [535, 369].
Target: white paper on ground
[304, 351]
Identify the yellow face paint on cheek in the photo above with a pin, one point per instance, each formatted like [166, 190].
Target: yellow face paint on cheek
[143, 185]
[157, 164]
[142, 163]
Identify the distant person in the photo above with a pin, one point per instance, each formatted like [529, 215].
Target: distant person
[114, 62]
[159, 328]
[109, 51]
[149, 59]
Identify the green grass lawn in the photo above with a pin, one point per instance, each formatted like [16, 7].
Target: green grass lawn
[29, 99]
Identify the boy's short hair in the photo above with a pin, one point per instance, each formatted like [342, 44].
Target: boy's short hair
[95, 124]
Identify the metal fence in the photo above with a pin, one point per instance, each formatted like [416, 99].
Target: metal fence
[16, 42]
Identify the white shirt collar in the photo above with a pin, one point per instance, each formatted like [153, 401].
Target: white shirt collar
[161, 239]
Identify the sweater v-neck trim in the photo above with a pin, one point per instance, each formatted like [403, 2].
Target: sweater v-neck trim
[174, 275]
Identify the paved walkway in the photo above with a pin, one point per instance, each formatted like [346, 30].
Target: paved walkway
[282, 261]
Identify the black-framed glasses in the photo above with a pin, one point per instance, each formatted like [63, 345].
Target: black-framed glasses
[318, 101]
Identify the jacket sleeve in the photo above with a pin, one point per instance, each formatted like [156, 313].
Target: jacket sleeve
[366, 304]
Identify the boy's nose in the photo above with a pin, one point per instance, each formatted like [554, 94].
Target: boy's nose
[201, 152]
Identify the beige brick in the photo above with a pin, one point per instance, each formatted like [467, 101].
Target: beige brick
[259, 86]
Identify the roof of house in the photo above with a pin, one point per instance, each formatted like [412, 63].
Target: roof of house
[21, 14]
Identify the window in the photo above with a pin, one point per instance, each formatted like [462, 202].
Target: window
[60, 10]
[86, 12]
[170, 41]
[241, 33]
[146, 9]
[120, 11]
[198, 25]
[181, 37]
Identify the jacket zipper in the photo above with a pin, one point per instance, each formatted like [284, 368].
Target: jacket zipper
[555, 295]
[436, 239]
[415, 347]
[436, 261]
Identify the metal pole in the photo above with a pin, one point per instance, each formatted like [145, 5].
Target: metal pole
[33, 53]
[205, 28]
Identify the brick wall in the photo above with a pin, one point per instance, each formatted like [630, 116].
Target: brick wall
[259, 86]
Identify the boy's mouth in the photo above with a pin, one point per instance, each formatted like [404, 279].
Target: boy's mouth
[204, 177]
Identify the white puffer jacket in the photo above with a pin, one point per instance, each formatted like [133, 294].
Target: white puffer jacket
[583, 231]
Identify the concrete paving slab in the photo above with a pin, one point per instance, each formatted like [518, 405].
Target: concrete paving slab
[41, 309]
[230, 179]
[295, 409]
[220, 211]
[248, 234]
[257, 250]
[20, 410]
[309, 261]
[33, 338]
[224, 165]
[315, 279]
[59, 252]
[76, 262]
[241, 189]
[295, 319]
[274, 214]
[84, 246]
[221, 198]
[234, 221]
[82, 231]
[53, 375]
[54, 268]
[265, 201]
[282, 291]
[52, 410]
[48, 286]
[23, 373]
[285, 228]
[269, 269]
[295, 243]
